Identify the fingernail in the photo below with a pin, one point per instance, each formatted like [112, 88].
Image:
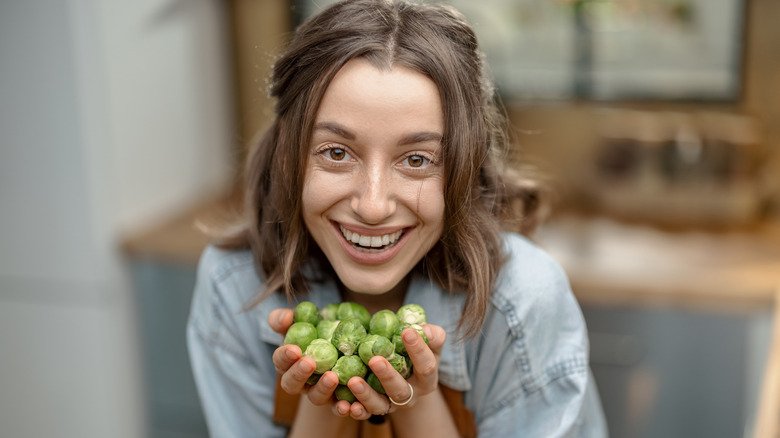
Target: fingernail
[308, 366]
[380, 366]
[429, 332]
[290, 354]
[410, 336]
[280, 318]
[360, 388]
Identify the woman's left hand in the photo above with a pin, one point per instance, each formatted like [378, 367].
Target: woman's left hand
[424, 380]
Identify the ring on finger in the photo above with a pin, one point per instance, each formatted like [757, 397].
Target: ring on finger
[405, 402]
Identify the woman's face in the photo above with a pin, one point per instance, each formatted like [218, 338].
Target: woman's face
[373, 196]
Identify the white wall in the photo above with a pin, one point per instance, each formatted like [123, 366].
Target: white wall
[113, 115]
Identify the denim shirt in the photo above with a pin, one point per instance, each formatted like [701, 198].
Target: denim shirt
[525, 375]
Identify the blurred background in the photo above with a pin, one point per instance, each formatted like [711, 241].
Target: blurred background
[655, 123]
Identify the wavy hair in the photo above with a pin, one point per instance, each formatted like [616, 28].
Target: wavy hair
[481, 197]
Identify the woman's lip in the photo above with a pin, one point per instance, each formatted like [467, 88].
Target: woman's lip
[370, 257]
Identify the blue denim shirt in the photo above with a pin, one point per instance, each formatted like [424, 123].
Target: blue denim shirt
[525, 375]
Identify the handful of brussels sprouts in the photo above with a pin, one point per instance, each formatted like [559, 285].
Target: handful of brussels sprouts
[343, 337]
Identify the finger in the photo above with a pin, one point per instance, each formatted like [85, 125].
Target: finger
[341, 408]
[322, 392]
[295, 378]
[285, 356]
[424, 362]
[436, 336]
[280, 320]
[358, 412]
[395, 385]
[371, 402]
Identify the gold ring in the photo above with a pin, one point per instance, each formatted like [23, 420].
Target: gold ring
[405, 402]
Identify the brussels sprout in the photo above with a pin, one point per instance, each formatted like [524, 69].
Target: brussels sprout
[400, 348]
[329, 312]
[349, 310]
[301, 334]
[384, 323]
[402, 364]
[326, 328]
[373, 382]
[348, 335]
[343, 392]
[306, 311]
[323, 353]
[375, 345]
[348, 367]
[411, 314]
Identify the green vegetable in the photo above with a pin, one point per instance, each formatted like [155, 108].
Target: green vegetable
[329, 312]
[375, 345]
[348, 367]
[348, 309]
[384, 323]
[326, 328]
[402, 364]
[373, 382]
[411, 314]
[344, 337]
[306, 311]
[301, 334]
[343, 392]
[323, 353]
[400, 348]
[348, 335]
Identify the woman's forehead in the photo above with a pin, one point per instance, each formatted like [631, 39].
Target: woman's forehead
[363, 97]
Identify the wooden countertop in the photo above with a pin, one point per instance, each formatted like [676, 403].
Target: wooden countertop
[610, 262]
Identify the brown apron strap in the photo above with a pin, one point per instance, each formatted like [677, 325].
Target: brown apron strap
[286, 405]
[464, 419]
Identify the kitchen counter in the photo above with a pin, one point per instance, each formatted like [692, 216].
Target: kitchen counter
[615, 264]
[612, 263]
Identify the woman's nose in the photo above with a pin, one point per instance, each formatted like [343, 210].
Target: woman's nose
[374, 200]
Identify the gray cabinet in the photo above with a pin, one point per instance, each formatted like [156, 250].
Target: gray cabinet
[675, 373]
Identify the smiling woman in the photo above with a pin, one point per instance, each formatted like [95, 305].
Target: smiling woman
[373, 199]
[379, 183]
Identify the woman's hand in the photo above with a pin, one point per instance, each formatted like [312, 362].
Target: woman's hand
[296, 368]
[424, 380]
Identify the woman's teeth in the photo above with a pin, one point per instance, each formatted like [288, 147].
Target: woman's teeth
[371, 241]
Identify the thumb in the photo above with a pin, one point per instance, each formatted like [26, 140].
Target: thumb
[280, 320]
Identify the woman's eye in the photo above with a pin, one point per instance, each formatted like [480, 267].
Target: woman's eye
[417, 160]
[337, 154]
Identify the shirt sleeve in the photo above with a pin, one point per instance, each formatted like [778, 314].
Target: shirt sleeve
[236, 390]
[538, 382]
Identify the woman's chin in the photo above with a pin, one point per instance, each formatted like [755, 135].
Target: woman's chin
[370, 286]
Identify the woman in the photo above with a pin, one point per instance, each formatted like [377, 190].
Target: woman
[379, 183]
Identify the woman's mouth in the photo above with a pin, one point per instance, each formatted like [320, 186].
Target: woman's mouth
[371, 243]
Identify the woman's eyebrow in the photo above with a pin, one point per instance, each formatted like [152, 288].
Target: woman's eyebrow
[335, 128]
[411, 138]
[420, 137]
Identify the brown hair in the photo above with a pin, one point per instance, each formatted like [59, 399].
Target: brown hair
[480, 197]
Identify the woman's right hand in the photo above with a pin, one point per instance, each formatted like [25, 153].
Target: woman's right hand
[295, 368]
